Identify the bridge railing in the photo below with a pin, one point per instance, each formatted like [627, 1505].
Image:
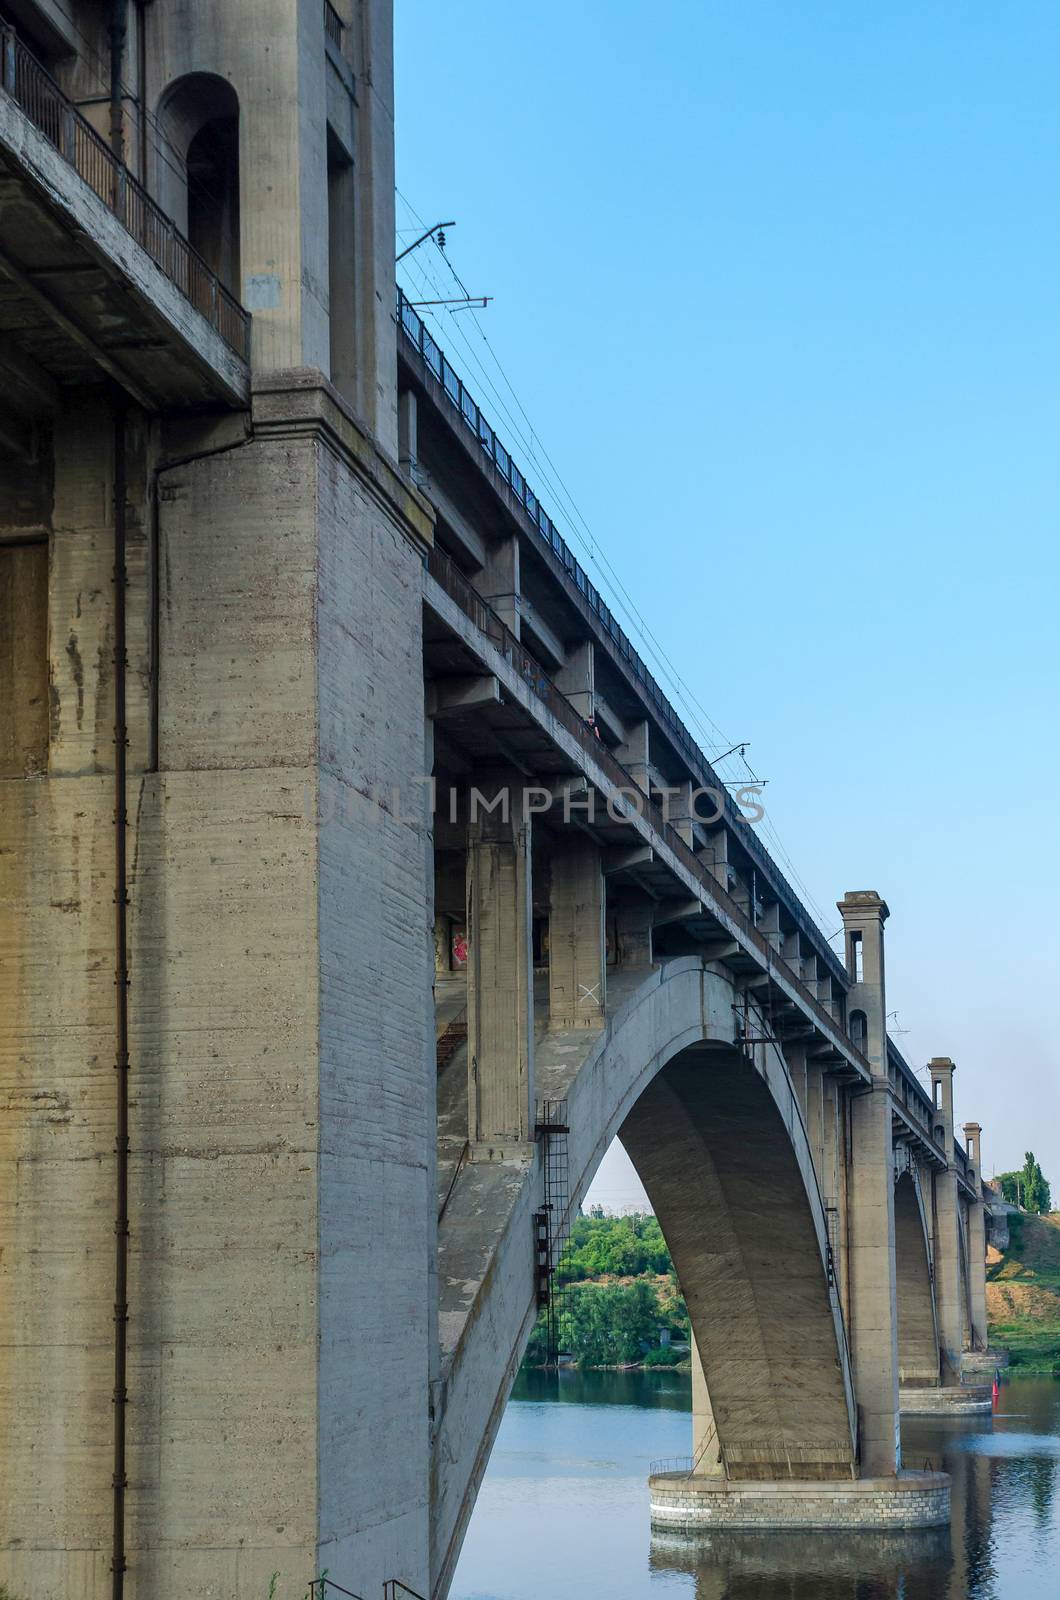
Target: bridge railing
[449, 578]
[37, 94]
[910, 1092]
[477, 426]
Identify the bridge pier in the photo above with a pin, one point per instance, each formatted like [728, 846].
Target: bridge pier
[976, 1241]
[873, 1325]
[946, 1228]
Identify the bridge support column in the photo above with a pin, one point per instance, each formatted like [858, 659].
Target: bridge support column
[577, 971]
[706, 1449]
[634, 754]
[576, 678]
[500, 976]
[976, 1239]
[946, 1228]
[633, 934]
[815, 1120]
[870, 1199]
[498, 583]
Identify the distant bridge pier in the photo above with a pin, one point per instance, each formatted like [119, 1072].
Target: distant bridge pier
[873, 1297]
[976, 1240]
[947, 1241]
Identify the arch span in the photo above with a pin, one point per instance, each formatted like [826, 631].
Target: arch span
[918, 1340]
[720, 1142]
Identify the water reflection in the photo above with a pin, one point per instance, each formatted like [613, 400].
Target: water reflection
[658, 1391]
[572, 1459]
[808, 1566]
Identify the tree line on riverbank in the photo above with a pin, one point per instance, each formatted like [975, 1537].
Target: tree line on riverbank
[617, 1298]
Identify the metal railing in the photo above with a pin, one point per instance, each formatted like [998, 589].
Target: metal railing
[449, 578]
[333, 25]
[475, 424]
[394, 1589]
[37, 94]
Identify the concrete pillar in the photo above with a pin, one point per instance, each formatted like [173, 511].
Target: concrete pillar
[873, 1321]
[577, 969]
[815, 1119]
[769, 924]
[633, 934]
[706, 1447]
[676, 803]
[715, 854]
[408, 419]
[798, 1070]
[498, 582]
[633, 754]
[576, 677]
[500, 990]
[976, 1239]
[946, 1228]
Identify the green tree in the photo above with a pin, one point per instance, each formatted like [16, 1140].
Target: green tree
[1028, 1187]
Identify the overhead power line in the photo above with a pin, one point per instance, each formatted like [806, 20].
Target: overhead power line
[714, 740]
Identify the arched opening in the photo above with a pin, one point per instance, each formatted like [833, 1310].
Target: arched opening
[719, 1144]
[859, 1029]
[197, 171]
[918, 1344]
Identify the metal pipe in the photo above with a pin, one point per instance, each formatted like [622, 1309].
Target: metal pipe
[121, 1013]
[117, 31]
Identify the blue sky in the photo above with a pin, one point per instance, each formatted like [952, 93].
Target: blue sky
[777, 285]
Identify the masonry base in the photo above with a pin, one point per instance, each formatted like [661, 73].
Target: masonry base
[911, 1500]
[949, 1400]
[984, 1361]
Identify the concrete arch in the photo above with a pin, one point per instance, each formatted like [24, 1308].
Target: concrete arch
[918, 1339]
[664, 1072]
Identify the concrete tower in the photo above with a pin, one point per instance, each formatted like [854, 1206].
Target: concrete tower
[245, 1186]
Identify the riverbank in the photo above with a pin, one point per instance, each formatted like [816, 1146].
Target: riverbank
[1023, 1295]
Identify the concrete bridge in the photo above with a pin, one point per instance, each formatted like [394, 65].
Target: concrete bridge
[349, 827]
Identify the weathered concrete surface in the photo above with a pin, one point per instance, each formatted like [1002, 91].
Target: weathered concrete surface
[282, 1089]
[870, 1195]
[909, 1500]
[918, 1343]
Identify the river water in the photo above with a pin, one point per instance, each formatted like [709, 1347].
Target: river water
[563, 1510]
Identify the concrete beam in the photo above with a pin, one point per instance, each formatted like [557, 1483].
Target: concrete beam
[453, 697]
[26, 284]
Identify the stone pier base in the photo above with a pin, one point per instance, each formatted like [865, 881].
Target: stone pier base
[911, 1500]
[984, 1361]
[950, 1400]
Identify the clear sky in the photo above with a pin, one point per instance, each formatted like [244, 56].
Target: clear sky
[777, 285]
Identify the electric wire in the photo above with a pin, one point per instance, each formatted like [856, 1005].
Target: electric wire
[699, 714]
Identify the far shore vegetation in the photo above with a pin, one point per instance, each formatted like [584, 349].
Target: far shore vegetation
[1023, 1294]
[617, 1300]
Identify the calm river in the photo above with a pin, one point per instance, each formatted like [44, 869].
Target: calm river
[563, 1512]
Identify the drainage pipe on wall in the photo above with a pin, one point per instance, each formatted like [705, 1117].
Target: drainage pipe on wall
[121, 1002]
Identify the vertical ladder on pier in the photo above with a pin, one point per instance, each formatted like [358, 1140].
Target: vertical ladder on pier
[552, 1222]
